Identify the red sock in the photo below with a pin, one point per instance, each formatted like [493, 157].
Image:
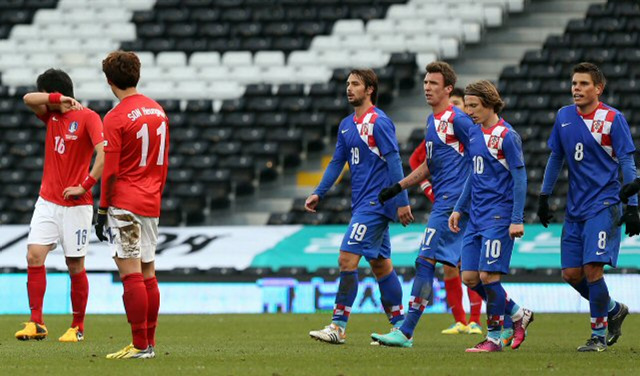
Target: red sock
[476, 306]
[135, 304]
[453, 286]
[153, 306]
[79, 296]
[36, 286]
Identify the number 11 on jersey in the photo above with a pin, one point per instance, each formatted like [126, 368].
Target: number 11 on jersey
[144, 134]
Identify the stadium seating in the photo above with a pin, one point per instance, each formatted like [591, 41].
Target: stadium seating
[533, 92]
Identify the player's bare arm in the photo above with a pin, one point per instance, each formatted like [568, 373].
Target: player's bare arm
[416, 176]
[96, 173]
[38, 102]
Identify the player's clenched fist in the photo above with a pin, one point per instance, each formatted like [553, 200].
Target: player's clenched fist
[454, 220]
[311, 203]
[516, 230]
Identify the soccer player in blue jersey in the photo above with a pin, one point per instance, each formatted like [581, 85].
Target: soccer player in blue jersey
[494, 197]
[595, 141]
[367, 141]
[446, 138]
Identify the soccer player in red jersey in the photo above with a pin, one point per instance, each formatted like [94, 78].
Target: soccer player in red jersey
[136, 134]
[64, 209]
[452, 281]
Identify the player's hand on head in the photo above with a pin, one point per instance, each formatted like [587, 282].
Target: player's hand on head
[388, 193]
[631, 219]
[454, 220]
[516, 230]
[404, 215]
[629, 190]
[73, 192]
[311, 203]
[544, 213]
[69, 104]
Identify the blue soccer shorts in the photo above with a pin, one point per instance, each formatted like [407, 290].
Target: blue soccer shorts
[368, 236]
[595, 240]
[487, 250]
[441, 244]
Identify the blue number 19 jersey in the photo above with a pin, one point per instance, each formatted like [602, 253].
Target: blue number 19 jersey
[590, 143]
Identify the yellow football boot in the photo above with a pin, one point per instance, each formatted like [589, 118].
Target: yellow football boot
[130, 352]
[474, 328]
[457, 328]
[32, 330]
[72, 335]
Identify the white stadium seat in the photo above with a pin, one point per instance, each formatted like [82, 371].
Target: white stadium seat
[348, 27]
[423, 43]
[237, 58]
[225, 90]
[313, 74]
[204, 59]
[246, 75]
[214, 73]
[303, 58]
[279, 75]
[171, 59]
[147, 59]
[268, 58]
[391, 43]
[325, 42]
[401, 12]
[381, 27]
[179, 74]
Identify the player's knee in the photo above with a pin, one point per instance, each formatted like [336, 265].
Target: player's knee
[35, 257]
[572, 277]
[347, 263]
[470, 279]
[450, 272]
[75, 264]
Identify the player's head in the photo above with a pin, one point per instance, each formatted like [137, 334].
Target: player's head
[456, 98]
[439, 82]
[482, 101]
[55, 81]
[587, 83]
[122, 69]
[362, 87]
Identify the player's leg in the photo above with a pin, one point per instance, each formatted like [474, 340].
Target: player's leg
[126, 229]
[149, 242]
[601, 239]
[347, 290]
[453, 287]
[475, 304]
[43, 235]
[76, 225]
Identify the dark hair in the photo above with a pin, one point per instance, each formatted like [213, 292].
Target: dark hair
[488, 94]
[457, 92]
[445, 69]
[122, 69]
[370, 79]
[55, 81]
[596, 74]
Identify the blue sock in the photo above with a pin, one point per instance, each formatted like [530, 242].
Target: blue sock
[481, 291]
[496, 303]
[508, 322]
[583, 289]
[391, 297]
[511, 307]
[347, 291]
[598, 305]
[420, 294]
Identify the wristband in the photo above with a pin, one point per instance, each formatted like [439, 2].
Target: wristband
[102, 211]
[88, 183]
[54, 98]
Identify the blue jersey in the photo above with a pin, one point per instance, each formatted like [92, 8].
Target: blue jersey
[494, 152]
[590, 144]
[363, 142]
[446, 138]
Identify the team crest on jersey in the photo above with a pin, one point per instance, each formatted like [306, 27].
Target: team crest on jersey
[442, 126]
[73, 127]
[494, 142]
[597, 125]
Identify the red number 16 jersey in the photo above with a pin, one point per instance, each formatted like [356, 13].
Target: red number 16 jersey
[138, 129]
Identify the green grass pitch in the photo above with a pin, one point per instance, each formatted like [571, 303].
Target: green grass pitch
[279, 345]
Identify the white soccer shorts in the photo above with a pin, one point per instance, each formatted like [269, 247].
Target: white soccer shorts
[68, 225]
[132, 235]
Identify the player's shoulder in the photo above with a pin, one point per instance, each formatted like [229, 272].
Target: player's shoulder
[381, 118]
[88, 113]
[607, 107]
[461, 116]
[568, 109]
[510, 131]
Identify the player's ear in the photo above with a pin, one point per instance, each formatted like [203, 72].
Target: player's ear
[599, 89]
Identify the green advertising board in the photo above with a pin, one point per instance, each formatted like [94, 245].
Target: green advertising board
[318, 246]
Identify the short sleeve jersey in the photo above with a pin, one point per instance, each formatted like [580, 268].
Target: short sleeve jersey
[363, 142]
[69, 146]
[447, 135]
[590, 144]
[138, 129]
[494, 152]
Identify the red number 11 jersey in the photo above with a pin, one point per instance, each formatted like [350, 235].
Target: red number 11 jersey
[138, 129]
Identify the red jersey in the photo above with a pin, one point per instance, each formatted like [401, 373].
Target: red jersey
[69, 145]
[138, 129]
